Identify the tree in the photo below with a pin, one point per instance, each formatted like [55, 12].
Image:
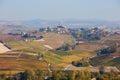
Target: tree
[41, 37]
[101, 69]
[57, 75]
[39, 74]
[87, 74]
[2, 76]
[81, 75]
[72, 75]
[26, 36]
[30, 75]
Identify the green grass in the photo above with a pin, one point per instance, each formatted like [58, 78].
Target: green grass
[80, 52]
[56, 58]
[61, 53]
[29, 46]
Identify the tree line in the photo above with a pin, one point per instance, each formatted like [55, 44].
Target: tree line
[61, 75]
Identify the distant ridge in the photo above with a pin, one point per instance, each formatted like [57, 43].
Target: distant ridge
[68, 22]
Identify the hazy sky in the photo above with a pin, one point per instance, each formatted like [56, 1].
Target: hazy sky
[60, 9]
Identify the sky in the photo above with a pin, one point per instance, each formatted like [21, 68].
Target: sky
[60, 9]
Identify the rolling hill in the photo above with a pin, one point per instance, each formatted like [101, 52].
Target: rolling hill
[108, 59]
[25, 53]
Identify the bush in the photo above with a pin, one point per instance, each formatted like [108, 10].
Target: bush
[107, 50]
[81, 63]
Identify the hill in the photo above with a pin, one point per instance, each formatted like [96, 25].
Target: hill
[110, 59]
[56, 40]
[114, 62]
[15, 28]
[25, 53]
[51, 39]
[71, 22]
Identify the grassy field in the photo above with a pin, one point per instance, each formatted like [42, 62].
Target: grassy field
[22, 64]
[27, 52]
[57, 59]
[52, 39]
[108, 59]
[56, 40]
[63, 60]
[91, 46]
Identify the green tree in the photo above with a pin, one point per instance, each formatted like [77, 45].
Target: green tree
[30, 75]
[82, 75]
[71, 75]
[101, 69]
[2, 76]
[87, 74]
[39, 74]
[57, 75]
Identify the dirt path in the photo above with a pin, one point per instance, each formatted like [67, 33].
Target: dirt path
[47, 46]
[49, 67]
[3, 48]
[67, 67]
[92, 69]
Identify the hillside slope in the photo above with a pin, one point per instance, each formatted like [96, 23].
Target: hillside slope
[3, 48]
[55, 40]
[107, 59]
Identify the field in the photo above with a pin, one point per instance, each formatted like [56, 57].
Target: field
[109, 59]
[56, 40]
[6, 37]
[64, 60]
[91, 46]
[22, 62]
[24, 54]
[29, 60]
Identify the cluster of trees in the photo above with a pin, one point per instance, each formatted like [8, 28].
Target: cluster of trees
[89, 34]
[61, 75]
[107, 76]
[60, 52]
[107, 50]
[28, 36]
[66, 47]
[82, 63]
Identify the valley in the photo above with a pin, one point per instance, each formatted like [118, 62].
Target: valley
[63, 49]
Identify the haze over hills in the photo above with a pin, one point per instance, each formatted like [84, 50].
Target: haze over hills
[68, 22]
[59, 39]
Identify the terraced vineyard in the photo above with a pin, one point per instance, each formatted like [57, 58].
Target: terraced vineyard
[24, 54]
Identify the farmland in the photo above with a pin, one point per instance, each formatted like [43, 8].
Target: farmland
[24, 54]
